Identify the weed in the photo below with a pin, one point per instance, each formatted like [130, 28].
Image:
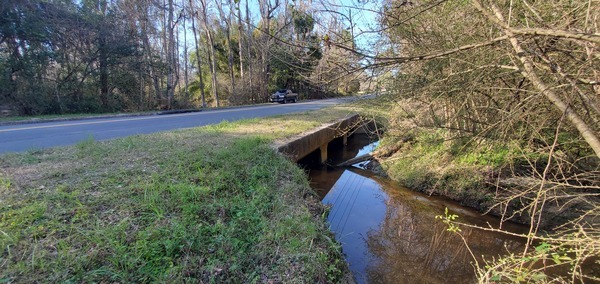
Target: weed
[89, 148]
[5, 183]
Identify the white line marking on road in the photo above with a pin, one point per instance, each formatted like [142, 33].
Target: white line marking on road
[131, 119]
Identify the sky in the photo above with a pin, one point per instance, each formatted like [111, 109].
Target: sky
[364, 17]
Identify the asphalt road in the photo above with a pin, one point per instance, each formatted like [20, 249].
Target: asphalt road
[25, 137]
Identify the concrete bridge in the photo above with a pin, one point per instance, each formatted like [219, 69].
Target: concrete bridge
[304, 144]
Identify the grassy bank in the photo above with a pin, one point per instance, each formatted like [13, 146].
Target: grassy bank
[211, 204]
[500, 175]
[432, 162]
[503, 178]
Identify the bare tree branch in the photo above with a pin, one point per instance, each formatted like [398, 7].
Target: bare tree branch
[528, 72]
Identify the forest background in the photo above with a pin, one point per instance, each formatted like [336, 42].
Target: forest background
[106, 56]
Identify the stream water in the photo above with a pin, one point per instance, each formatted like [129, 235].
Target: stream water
[389, 234]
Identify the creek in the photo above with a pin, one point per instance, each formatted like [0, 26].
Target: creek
[390, 234]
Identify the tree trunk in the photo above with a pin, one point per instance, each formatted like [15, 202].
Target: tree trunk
[230, 50]
[102, 54]
[267, 10]
[103, 66]
[213, 61]
[249, 43]
[241, 35]
[148, 51]
[185, 59]
[198, 59]
[170, 58]
[227, 20]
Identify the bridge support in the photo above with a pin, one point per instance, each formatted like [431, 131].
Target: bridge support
[323, 150]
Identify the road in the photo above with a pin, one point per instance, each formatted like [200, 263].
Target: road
[24, 137]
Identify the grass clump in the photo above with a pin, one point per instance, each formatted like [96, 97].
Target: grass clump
[436, 162]
[213, 204]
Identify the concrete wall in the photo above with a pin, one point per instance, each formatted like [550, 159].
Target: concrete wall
[300, 146]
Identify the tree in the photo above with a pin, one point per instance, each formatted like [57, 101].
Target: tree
[26, 51]
[86, 51]
[267, 13]
[240, 36]
[227, 21]
[198, 60]
[515, 72]
[170, 52]
[211, 48]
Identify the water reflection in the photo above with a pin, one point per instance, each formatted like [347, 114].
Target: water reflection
[357, 208]
[389, 234]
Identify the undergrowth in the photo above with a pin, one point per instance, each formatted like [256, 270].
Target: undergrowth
[465, 169]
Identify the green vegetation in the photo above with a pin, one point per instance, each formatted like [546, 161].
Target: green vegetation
[211, 204]
[519, 176]
[433, 162]
[127, 56]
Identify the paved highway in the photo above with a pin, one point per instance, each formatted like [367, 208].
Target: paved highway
[24, 137]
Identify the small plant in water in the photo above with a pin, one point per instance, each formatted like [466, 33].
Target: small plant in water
[448, 219]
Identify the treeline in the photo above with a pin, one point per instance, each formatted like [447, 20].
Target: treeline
[133, 55]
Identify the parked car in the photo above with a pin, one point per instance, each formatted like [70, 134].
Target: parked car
[284, 96]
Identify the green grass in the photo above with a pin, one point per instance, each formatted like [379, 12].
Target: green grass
[213, 204]
[465, 169]
[434, 162]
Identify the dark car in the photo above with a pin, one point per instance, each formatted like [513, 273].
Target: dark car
[284, 96]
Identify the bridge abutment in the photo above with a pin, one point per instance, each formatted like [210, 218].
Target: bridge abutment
[318, 139]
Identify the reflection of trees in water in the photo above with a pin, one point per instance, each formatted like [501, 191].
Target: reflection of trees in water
[412, 247]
